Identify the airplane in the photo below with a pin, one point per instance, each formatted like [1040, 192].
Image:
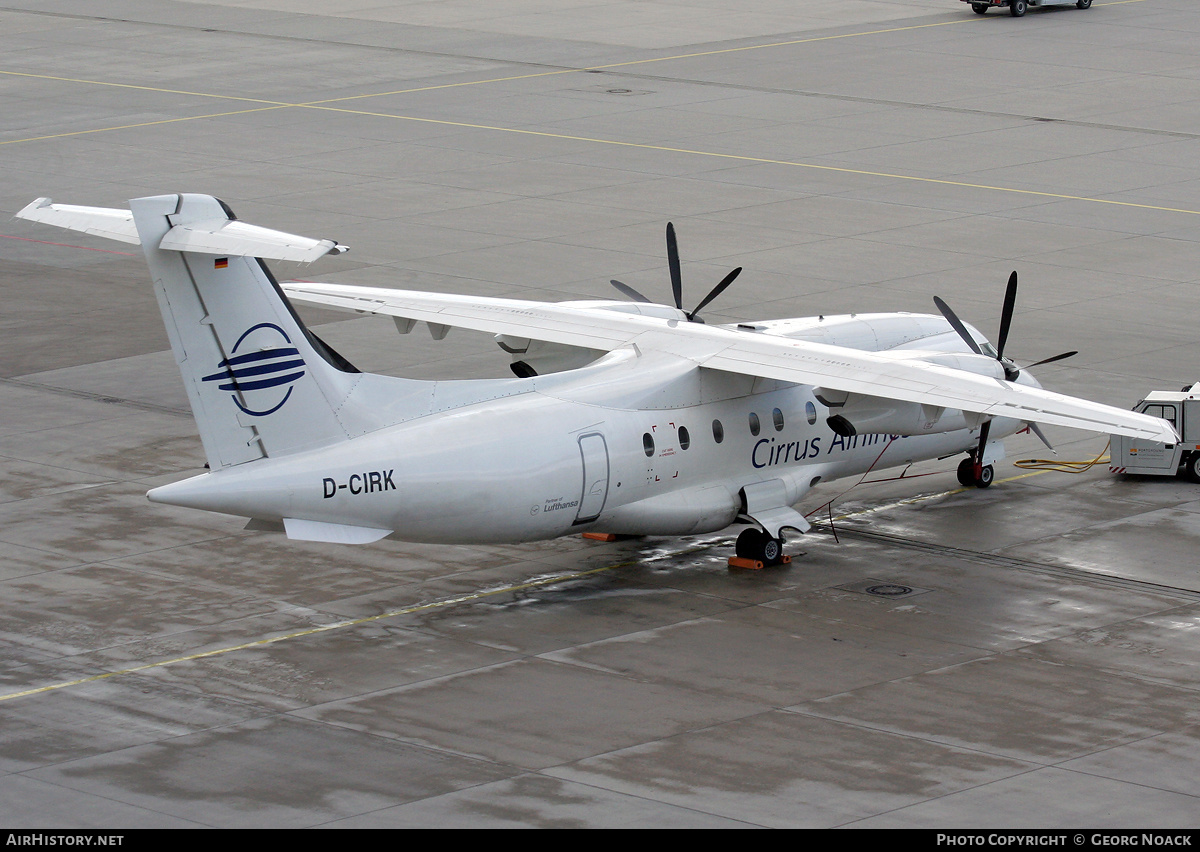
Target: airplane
[623, 417]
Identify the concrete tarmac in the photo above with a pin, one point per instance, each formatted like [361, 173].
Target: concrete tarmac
[1024, 656]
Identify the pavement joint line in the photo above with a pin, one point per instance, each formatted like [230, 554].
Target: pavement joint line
[590, 68]
[324, 104]
[921, 498]
[440, 604]
[355, 622]
[770, 161]
[1054, 196]
[556, 71]
[745, 158]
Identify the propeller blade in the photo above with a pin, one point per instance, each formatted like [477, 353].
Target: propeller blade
[673, 264]
[1052, 360]
[957, 325]
[628, 291]
[1037, 430]
[716, 291]
[1006, 315]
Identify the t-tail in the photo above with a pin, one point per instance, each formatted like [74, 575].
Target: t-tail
[260, 383]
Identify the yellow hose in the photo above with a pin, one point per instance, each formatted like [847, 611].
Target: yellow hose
[1064, 466]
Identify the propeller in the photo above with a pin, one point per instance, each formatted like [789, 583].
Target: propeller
[1011, 370]
[677, 281]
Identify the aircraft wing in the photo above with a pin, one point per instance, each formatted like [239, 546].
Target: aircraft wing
[745, 352]
[569, 325]
[914, 380]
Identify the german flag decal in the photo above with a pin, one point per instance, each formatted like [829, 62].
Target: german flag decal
[220, 263]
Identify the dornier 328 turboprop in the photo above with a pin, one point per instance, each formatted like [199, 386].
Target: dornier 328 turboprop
[624, 416]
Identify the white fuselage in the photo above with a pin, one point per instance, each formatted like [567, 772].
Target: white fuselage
[635, 444]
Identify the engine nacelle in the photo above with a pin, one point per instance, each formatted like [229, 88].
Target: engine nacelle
[856, 414]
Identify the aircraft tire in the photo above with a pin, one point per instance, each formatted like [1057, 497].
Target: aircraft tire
[1083, 4]
[966, 473]
[755, 544]
[749, 543]
[1017, 8]
[986, 475]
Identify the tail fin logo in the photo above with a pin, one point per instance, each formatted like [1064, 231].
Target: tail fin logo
[260, 378]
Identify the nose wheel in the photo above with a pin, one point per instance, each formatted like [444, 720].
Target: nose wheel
[980, 476]
[756, 548]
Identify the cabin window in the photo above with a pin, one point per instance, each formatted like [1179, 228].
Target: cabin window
[811, 411]
[718, 431]
[755, 425]
[685, 439]
[777, 419]
[648, 444]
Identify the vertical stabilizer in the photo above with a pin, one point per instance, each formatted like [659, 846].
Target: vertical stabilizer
[259, 383]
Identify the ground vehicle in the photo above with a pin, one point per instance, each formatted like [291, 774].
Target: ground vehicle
[1017, 8]
[1182, 410]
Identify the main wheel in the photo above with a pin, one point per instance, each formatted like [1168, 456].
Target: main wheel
[1017, 8]
[966, 472]
[772, 549]
[986, 475]
[1083, 4]
[981, 8]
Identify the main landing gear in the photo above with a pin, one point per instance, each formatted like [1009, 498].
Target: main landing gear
[969, 474]
[756, 548]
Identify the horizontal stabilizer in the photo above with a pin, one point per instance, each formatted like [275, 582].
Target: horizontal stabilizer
[99, 221]
[301, 530]
[231, 237]
[227, 237]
